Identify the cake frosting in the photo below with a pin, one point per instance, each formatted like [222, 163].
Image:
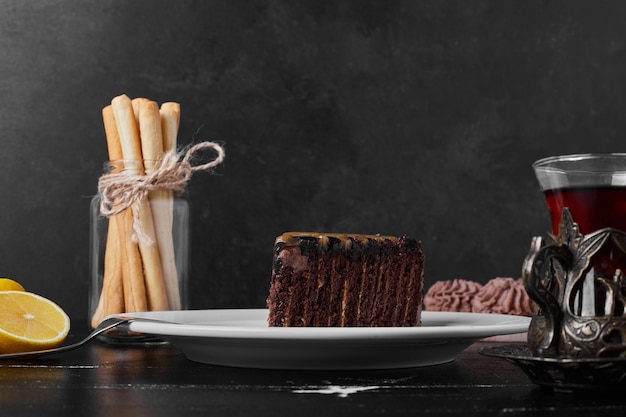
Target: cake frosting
[504, 296]
[453, 295]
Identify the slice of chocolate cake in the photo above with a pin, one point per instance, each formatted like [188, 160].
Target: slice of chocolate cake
[346, 280]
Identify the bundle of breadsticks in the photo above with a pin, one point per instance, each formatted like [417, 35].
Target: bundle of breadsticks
[140, 274]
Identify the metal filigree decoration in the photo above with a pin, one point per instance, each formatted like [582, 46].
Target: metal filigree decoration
[582, 311]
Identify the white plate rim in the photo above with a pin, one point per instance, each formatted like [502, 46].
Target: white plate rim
[252, 324]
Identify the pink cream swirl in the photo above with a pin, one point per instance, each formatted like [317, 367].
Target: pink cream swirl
[454, 295]
[504, 296]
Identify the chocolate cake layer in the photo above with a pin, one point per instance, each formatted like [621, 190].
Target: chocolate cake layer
[346, 280]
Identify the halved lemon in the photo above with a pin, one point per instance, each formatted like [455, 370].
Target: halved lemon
[7, 284]
[30, 322]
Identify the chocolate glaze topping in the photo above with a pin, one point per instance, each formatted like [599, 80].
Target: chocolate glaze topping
[329, 241]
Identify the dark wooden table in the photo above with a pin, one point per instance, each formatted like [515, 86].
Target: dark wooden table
[100, 380]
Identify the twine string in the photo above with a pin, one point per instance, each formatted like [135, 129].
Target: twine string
[120, 191]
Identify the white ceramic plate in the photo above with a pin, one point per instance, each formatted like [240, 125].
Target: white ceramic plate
[242, 338]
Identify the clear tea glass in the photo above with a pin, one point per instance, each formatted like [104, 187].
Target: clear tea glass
[592, 186]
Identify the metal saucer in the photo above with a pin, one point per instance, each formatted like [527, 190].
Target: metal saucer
[563, 374]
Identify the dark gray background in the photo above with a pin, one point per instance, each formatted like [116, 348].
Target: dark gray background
[391, 117]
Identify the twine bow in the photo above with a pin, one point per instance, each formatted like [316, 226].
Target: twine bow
[120, 191]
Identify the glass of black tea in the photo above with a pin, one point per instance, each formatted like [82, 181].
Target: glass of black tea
[592, 186]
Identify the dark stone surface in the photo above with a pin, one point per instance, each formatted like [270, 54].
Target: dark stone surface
[391, 117]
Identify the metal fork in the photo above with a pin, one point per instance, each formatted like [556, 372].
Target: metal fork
[105, 325]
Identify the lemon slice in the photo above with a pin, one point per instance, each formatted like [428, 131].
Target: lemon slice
[7, 284]
[30, 322]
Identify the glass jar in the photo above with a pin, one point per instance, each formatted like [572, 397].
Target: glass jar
[138, 257]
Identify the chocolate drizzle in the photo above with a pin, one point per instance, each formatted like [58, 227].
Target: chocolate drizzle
[334, 243]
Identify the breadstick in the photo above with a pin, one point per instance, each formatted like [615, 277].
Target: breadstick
[128, 130]
[136, 102]
[113, 138]
[135, 298]
[131, 148]
[169, 119]
[152, 151]
[150, 133]
[112, 293]
[130, 261]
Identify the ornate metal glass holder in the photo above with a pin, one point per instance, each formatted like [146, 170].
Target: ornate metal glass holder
[578, 282]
